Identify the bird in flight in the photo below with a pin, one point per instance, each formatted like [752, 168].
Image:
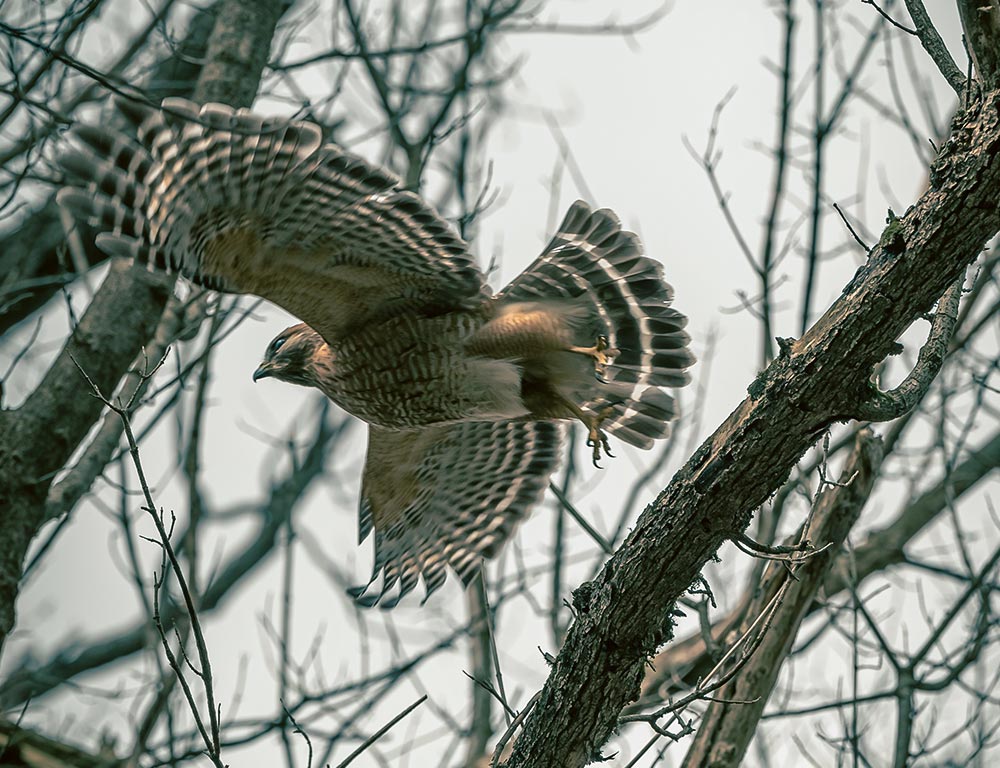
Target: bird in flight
[466, 392]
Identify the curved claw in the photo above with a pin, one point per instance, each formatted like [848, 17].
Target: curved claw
[598, 440]
[596, 454]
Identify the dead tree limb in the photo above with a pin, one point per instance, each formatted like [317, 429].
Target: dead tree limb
[686, 661]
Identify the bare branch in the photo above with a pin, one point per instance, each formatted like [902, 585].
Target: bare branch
[838, 508]
[931, 40]
[883, 406]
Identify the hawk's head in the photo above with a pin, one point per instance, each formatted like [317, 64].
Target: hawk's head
[293, 356]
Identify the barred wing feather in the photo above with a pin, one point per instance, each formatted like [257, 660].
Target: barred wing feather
[247, 204]
[447, 497]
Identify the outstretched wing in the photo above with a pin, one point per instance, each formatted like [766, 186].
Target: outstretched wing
[449, 496]
[247, 204]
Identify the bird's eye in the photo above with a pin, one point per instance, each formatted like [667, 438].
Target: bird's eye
[276, 344]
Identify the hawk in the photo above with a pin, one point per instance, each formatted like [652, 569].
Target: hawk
[465, 392]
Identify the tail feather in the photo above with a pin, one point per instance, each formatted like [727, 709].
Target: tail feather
[591, 260]
[640, 421]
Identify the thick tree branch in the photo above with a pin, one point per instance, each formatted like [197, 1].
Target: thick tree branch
[78, 479]
[625, 613]
[38, 438]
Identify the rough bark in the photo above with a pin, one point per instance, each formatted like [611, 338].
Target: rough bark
[731, 719]
[624, 614]
[37, 439]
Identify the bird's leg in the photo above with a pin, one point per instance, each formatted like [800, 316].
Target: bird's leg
[596, 438]
[602, 353]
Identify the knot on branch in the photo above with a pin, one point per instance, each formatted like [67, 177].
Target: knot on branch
[582, 596]
[885, 406]
[892, 240]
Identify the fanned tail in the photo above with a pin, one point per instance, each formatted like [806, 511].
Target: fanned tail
[598, 270]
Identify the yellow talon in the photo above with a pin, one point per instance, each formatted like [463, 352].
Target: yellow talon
[596, 438]
[592, 420]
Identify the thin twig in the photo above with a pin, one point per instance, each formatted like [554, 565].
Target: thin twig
[380, 732]
[213, 738]
[889, 18]
[567, 505]
[850, 228]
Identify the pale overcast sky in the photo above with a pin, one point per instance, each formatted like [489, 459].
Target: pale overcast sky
[623, 106]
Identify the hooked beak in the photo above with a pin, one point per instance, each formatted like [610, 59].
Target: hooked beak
[264, 371]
